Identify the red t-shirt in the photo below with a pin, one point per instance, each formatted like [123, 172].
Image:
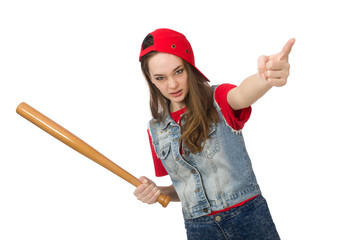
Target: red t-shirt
[235, 119]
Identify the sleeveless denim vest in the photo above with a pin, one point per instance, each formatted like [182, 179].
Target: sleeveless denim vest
[218, 177]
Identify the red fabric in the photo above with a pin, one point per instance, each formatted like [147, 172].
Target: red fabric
[172, 42]
[160, 170]
[236, 205]
[235, 119]
[169, 41]
[176, 116]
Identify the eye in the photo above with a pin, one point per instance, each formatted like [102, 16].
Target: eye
[159, 78]
[178, 72]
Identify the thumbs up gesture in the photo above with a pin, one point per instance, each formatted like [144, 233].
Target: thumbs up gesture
[275, 68]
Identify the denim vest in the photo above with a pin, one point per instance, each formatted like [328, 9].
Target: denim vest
[218, 177]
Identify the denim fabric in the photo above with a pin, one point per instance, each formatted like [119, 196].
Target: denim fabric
[216, 178]
[251, 221]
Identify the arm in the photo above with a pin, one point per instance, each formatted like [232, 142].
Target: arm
[170, 191]
[248, 92]
[272, 71]
[148, 192]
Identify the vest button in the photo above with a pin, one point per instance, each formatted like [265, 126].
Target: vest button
[217, 218]
[205, 210]
[187, 153]
[193, 171]
[163, 153]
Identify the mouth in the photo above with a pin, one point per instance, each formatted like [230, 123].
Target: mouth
[177, 93]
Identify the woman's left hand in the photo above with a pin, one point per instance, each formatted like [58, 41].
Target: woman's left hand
[275, 68]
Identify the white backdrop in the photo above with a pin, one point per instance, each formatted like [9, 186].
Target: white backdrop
[77, 62]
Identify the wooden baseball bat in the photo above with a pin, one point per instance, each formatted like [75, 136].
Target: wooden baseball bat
[79, 145]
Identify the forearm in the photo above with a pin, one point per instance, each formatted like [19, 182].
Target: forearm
[171, 192]
[275, 71]
[248, 92]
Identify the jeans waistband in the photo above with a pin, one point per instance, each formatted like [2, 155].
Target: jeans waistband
[230, 213]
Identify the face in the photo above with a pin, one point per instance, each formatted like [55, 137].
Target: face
[168, 74]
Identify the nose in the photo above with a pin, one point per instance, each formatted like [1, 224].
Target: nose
[172, 83]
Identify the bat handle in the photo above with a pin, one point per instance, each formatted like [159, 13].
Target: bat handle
[164, 200]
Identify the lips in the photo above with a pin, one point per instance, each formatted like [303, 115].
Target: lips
[176, 93]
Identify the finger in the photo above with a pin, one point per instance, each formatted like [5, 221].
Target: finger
[262, 60]
[283, 55]
[146, 191]
[273, 74]
[277, 73]
[143, 179]
[141, 190]
[153, 195]
[277, 82]
[142, 196]
[277, 65]
[138, 191]
[148, 194]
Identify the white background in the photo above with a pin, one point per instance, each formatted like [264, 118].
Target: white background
[77, 62]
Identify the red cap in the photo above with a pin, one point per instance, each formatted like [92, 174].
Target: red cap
[172, 42]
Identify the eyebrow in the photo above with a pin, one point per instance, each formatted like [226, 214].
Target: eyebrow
[177, 68]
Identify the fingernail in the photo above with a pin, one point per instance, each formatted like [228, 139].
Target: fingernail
[144, 181]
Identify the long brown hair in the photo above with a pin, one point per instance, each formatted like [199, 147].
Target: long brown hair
[200, 113]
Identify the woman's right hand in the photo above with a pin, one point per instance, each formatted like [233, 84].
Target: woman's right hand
[147, 192]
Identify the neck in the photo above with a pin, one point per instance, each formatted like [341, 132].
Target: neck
[175, 107]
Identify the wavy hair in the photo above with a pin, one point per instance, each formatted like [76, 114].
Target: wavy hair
[200, 113]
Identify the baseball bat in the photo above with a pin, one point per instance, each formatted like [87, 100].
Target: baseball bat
[79, 145]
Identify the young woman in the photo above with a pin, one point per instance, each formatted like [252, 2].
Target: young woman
[196, 138]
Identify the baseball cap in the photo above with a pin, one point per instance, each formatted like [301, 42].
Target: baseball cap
[169, 41]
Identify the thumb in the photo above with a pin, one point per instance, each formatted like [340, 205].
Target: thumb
[144, 180]
[262, 60]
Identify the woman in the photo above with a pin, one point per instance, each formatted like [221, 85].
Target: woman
[196, 139]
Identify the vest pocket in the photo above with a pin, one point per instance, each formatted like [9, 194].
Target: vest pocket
[167, 158]
[212, 145]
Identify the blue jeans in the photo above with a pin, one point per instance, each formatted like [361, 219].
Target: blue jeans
[251, 221]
